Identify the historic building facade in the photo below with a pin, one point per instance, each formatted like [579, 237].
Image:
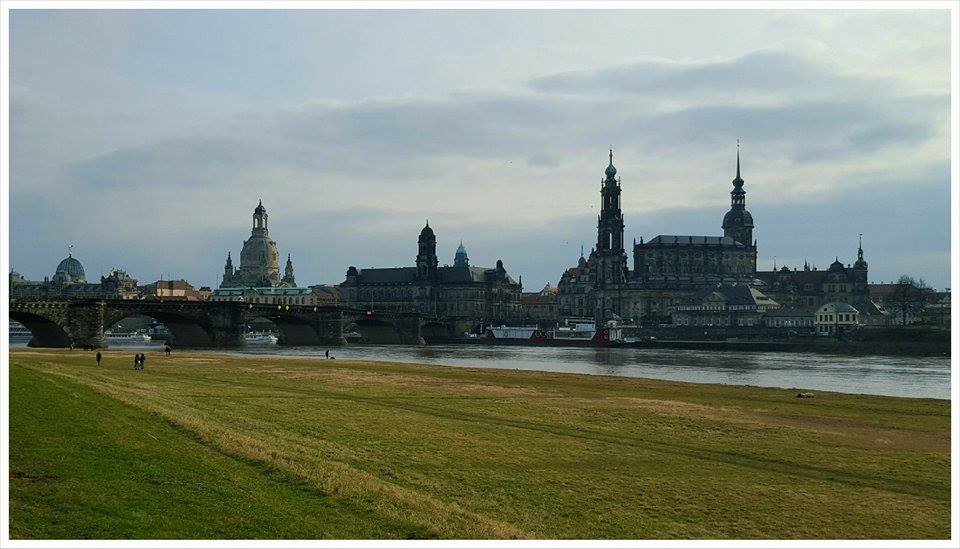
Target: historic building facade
[810, 287]
[259, 260]
[541, 308]
[463, 291]
[69, 281]
[667, 270]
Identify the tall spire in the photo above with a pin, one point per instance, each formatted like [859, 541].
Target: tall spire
[738, 181]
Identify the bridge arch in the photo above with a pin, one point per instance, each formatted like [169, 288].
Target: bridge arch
[185, 330]
[294, 329]
[375, 329]
[47, 331]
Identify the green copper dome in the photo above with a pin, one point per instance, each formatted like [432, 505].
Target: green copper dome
[611, 170]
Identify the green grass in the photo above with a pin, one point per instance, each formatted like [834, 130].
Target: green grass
[209, 446]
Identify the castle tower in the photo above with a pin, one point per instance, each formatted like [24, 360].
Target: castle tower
[738, 223]
[427, 254]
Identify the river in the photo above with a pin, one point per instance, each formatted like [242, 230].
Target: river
[917, 377]
[926, 377]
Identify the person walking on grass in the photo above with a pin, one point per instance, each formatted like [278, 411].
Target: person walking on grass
[99, 356]
[136, 361]
[143, 360]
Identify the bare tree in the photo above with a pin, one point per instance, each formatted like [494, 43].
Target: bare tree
[909, 297]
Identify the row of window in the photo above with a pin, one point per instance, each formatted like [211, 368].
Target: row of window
[841, 317]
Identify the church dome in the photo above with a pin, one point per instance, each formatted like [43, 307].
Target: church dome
[426, 233]
[737, 217]
[70, 270]
[836, 265]
[260, 209]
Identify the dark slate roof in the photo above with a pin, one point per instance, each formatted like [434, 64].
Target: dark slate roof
[446, 275]
[734, 295]
[686, 240]
[461, 274]
[394, 275]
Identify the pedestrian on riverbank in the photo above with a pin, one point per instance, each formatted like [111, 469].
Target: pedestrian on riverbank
[166, 349]
[136, 361]
[99, 356]
[328, 353]
[143, 360]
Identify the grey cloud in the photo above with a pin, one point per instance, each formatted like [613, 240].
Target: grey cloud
[543, 160]
[766, 71]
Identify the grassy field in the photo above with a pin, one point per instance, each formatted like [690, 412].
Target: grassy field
[204, 446]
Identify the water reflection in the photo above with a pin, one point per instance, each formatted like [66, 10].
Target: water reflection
[880, 375]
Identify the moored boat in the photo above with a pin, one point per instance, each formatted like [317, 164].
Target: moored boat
[578, 335]
[260, 338]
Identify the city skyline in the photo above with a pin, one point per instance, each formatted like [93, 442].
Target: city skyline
[506, 156]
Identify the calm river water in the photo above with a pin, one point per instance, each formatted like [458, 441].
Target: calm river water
[925, 377]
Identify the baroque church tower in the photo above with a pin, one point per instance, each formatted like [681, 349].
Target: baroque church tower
[738, 223]
[611, 259]
[427, 254]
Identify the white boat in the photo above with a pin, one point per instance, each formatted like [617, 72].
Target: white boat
[260, 338]
[127, 338]
[512, 332]
[580, 331]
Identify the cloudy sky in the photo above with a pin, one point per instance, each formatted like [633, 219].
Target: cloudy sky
[146, 138]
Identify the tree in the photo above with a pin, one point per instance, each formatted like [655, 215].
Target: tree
[909, 297]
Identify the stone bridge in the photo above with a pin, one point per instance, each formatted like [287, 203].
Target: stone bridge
[61, 323]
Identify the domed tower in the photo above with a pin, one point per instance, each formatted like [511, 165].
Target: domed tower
[259, 258]
[738, 223]
[69, 270]
[427, 254]
[460, 258]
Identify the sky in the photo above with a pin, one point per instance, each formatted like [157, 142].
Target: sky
[146, 138]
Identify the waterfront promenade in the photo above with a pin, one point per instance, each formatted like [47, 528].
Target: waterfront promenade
[253, 446]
